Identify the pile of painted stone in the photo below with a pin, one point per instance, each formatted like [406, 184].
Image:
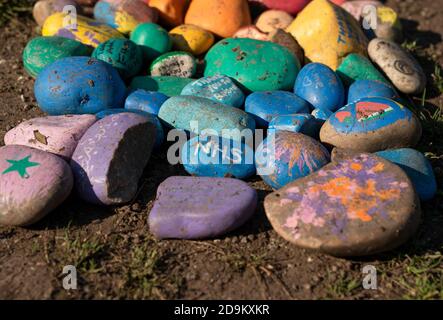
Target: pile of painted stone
[306, 71]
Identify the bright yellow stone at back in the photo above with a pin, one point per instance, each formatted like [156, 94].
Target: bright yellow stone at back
[192, 39]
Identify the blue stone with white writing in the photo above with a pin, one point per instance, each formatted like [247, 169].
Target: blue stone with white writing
[361, 89]
[147, 101]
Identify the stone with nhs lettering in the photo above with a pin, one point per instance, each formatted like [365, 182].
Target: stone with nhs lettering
[174, 64]
[217, 88]
[111, 156]
[320, 86]
[361, 89]
[213, 156]
[32, 184]
[372, 124]
[301, 122]
[147, 101]
[200, 207]
[265, 105]
[286, 156]
[357, 205]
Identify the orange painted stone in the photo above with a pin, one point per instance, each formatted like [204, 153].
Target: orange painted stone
[172, 12]
[221, 17]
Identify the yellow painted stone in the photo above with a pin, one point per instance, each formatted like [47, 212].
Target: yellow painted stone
[88, 31]
[191, 39]
[388, 16]
[126, 23]
[327, 33]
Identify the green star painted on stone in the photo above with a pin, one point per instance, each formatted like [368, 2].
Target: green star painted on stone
[20, 166]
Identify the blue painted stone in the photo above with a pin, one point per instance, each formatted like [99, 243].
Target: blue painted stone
[200, 207]
[265, 105]
[322, 114]
[320, 85]
[187, 112]
[78, 85]
[302, 122]
[218, 88]
[159, 136]
[213, 156]
[287, 156]
[417, 167]
[147, 101]
[361, 89]
[372, 124]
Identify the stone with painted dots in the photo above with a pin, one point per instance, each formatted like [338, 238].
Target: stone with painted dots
[357, 205]
[174, 64]
[32, 184]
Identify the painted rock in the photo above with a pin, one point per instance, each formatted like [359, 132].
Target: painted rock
[388, 25]
[287, 156]
[400, 67]
[361, 89]
[356, 206]
[124, 55]
[320, 86]
[370, 125]
[221, 17]
[110, 158]
[152, 39]
[251, 32]
[272, 20]
[256, 65]
[32, 184]
[328, 37]
[88, 31]
[268, 104]
[43, 9]
[124, 15]
[286, 40]
[175, 64]
[217, 88]
[290, 6]
[302, 122]
[77, 85]
[169, 86]
[147, 101]
[356, 67]
[55, 134]
[86, 2]
[195, 114]
[213, 156]
[200, 207]
[172, 12]
[191, 39]
[42, 51]
[321, 114]
[361, 8]
[417, 167]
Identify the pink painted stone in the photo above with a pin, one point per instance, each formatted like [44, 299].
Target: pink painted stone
[251, 32]
[356, 7]
[56, 134]
[32, 184]
[291, 6]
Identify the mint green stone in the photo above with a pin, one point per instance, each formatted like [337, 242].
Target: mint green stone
[170, 86]
[256, 65]
[356, 67]
[42, 51]
[152, 39]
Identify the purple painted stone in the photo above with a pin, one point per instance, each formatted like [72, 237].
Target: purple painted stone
[55, 134]
[32, 184]
[200, 207]
[111, 156]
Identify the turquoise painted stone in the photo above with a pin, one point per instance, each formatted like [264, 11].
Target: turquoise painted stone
[122, 54]
[42, 51]
[147, 101]
[361, 89]
[152, 39]
[213, 156]
[217, 88]
[321, 114]
[417, 167]
[372, 124]
[169, 86]
[303, 123]
[356, 67]
[188, 112]
[287, 156]
[268, 104]
[256, 65]
[174, 64]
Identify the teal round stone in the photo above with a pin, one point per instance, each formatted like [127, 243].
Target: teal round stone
[152, 39]
[170, 86]
[256, 65]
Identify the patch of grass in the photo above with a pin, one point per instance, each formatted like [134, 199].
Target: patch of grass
[344, 287]
[10, 9]
[239, 262]
[412, 47]
[437, 78]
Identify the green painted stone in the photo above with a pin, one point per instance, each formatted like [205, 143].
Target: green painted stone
[175, 64]
[356, 67]
[256, 65]
[170, 86]
[153, 40]
[42, 51]
[124, 55]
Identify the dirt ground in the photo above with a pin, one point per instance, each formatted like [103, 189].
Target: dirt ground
[117, 258]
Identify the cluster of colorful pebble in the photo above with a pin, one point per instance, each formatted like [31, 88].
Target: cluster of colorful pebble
[307, 71]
